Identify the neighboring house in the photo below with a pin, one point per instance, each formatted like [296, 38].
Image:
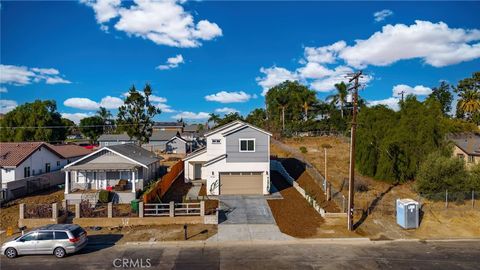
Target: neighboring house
[169, 126]
[122, 168]
[467, 147]
[166, 140]
[236, 160]
[32, 161]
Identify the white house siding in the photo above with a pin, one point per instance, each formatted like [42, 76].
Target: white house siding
[8, 175]
[37, 162]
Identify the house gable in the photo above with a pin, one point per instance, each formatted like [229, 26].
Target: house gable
[262, 145]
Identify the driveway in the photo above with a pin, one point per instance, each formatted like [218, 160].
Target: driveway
[245, 209]
[246, 218]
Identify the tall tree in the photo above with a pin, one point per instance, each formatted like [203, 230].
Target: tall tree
[308, 98]
[214, 118]
[444, 96]
[106, 116]
[136, 115]
[35, 121]
[257, 117]
[468, 91]
[229, 117]
[340, 98]
[91, 127]
[283, 102]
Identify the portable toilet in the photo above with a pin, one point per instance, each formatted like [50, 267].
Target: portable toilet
[408, 213]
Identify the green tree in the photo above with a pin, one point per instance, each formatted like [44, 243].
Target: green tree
[257, 118]
[474, 179]
[439, 173]
[444, 96]
[136, 115]
[91, 127]
[35, 121]
[340, 98]
[214, 118]
[229, 117]
[468, 91]
[106, 116]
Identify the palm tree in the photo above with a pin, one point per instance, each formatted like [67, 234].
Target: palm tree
[340, 98]
[308, 98]
[282, 100]
[215, 118]
[469, 102]
[106, 116]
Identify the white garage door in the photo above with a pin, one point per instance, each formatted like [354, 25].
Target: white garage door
[241, 183]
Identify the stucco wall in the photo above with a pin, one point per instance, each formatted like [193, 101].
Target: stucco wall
[457, 151]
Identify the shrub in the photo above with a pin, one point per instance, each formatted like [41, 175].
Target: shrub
[439, 173]
[104, 196]
[303, 149]
[360, 186]
[474, 180]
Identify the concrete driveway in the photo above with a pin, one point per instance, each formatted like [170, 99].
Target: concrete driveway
[246, 218]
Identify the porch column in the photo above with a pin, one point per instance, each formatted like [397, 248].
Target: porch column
[67, 182]
[133, 181]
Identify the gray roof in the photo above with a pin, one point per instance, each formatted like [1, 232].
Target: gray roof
[115, 137]
[163, 135]
[168, 124]
[102, 166]
[135, 152]
[191, 128]
[468, 142]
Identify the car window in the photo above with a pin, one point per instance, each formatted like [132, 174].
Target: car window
[61, 235]
[29, 237]
[78, 232]
[45, 236]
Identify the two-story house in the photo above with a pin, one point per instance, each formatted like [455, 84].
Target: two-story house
[236, 160]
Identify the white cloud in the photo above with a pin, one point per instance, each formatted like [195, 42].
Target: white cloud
[382, 15]
[435, 43]
[76, 117]
[326, 54]
[418, 90]
[229, 97]
[81, 103]
[21, 75]
[191, 115]
[165, 108]
[389, 102]
[3, 90]
[226, 110]
[172, 62]
[107, 102]
[274, 76]
[163, 22]
[7, 105]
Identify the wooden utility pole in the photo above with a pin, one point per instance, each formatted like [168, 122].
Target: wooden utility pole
[351, 181]
[328, 191]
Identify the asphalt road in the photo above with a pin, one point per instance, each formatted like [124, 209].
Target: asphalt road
[345, 255]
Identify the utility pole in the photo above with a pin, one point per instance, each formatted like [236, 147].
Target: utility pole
[402, 93]
[351, 181]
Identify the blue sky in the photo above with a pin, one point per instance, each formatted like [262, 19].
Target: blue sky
[224, 54]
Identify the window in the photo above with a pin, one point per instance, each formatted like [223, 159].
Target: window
[61, 235]
[26, 172]
[247, 145]
[45, 236]
[47, 167]
[29, 237]
[471, 159]
[58, 163]
[216, 141]
[461, 156]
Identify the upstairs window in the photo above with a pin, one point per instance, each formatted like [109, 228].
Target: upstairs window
[247, 145]
[26, 172]
[47, 167]
[216, 141]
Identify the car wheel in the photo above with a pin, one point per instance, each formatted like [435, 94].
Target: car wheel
[59, 252]
[11, 253]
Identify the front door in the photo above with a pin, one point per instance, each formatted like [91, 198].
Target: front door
[198, 171]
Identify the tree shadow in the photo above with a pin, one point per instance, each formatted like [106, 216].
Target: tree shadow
[372, 206]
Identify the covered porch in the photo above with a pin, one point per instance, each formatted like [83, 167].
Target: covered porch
[116, 177]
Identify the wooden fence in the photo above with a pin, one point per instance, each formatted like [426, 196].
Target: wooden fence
[161, 187]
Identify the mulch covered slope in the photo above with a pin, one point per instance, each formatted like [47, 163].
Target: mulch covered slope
[296, 169]
[294, 216]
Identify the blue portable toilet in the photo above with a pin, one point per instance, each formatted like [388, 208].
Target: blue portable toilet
[408, 213]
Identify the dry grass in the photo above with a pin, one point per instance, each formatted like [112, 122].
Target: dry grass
[437, 222]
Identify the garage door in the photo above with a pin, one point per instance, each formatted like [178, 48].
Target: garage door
[241, 183]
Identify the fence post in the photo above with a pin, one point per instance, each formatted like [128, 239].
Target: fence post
[202, 208]
[77, 210]
[109, 210]
[54, 210]
[140, 209]
[172, 209]
[446, 198]
[22, 211]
